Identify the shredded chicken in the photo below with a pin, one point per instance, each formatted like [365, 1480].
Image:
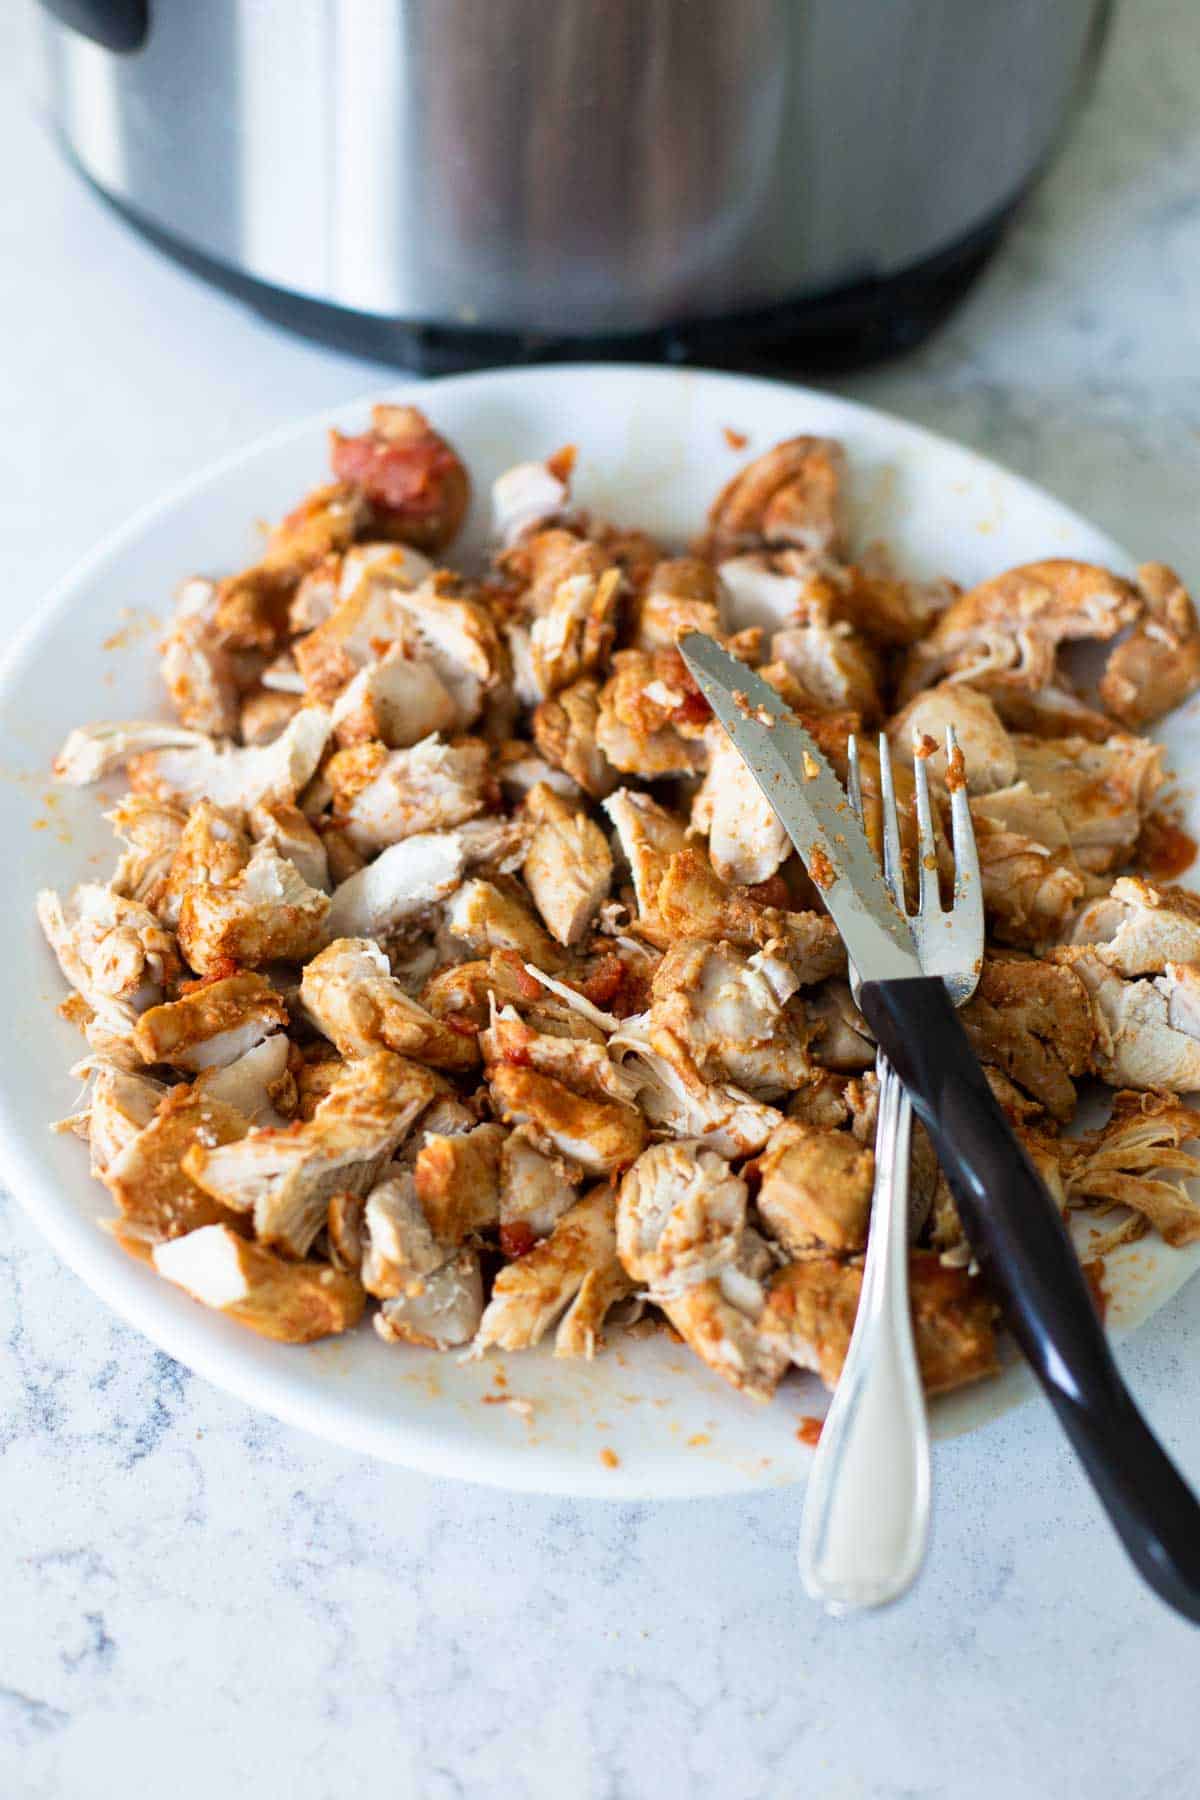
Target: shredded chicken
[484, 908]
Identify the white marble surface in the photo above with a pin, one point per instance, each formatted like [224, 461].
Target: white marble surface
[199, 1601]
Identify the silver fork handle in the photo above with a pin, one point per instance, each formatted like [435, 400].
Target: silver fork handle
[866, 1508]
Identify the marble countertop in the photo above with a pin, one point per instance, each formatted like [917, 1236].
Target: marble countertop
[199, 1599]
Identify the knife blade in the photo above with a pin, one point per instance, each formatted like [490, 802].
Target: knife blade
[811, 805]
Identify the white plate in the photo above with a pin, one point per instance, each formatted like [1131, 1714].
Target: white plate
[652, 453]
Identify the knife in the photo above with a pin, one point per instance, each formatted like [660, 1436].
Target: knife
[1012, 1223]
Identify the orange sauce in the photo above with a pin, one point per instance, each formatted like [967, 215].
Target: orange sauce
[1164, 849]
[809, 1431]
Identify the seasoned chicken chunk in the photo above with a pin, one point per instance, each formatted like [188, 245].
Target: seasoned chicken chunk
[265, 715]
[568, 865]
[252, 605]
[213, 849]
[1138, 929]
[841, 1037]
[746, 840]
[361, 629]
[735, 1015]
[490, 915]
[197, 667]
[285, 1178]
[1147, 1032]
[91, 752]
[1125, 1160]
[401, 885]
[1005, 634]
[529, 496]
[989, 755]
[292, 1302]
[396, 701]
[399, 1246]
[350, 994]
[440, 1310]
[565, 731]
[684, 594]
[212, 1025]
[268, 913]
[232, 777]
[414, 482]
[400, 793]
[115, 954]
[649, 716]
[1102, 792]
[648, 836]
[600, 1135]
[816, 1189]
[577, 1062]
[1032, 882]
[576, 596]
[151, 831]
[791, 495]
[676, 1098]
[811, 1307]
[154, 1194]
[1157, 666]
[120, 1105]
[688, 899]
[535, 1190]
[259, 1083]
[837, 668]
[456, 634]
[458, 1182]
[285, 828]
[532, 1292]
[680, 1214]
[1033, 1020]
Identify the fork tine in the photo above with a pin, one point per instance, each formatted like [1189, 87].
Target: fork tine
[854, 781]
[968, 887]
[893, 863]
[930, 900]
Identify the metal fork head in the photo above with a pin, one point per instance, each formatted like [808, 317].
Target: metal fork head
[949, 941]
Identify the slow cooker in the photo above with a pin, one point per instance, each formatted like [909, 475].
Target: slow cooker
[449, 182]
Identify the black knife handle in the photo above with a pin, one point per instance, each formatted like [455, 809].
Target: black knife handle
[1020, 1241]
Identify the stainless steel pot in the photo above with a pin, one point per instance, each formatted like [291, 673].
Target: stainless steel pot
[579, 168]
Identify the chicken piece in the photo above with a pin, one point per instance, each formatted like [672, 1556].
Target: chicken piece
[681, 595]
[396, 701]
[213, 849]
[790, 496]
[1102, 792]
[713, 1321]
[1123, 1163]
[458, 1182]
[197, 668]
[600, 1135]
[841, 1038]
[1138, 929]
[399, 1249]
[285, 828]
[649, 836]
[153, 1193]
[233, 777]
[338, 577]
[282, 676]
[344, 1230]
[811, 1307]
[734, 1015]
[252, 606]
[681, 1212]
[292, 1302]
[675, 1098]
[838, 669]
[91, 752]
[268, 913]
[1031, 880]
[415, 483]
[114, 953]
[259, 1083]
[565, 731]
[535, 1190]
[440, 1311]
[467, 991]
[401, 885]
[577, 599]
[989, 756]
[568, 865]
[823, 1102]
[1147, 1031]
[761, 595]
[285, 1177]
[1005, 634]
[1157, 666]
[431, 787]
[530, 1294]
[265, 716]
[690, 900]
[214, 1024]
[1036, 1026]
[816, 1190]
[488, 915]
[528, 497]
[369, 624]
[151, 832]
[649, 716]
[747, 842]
[520, 768]
[350, 994]
[576, 1062]
[890, 610]
[119, 1106]
[457, 635]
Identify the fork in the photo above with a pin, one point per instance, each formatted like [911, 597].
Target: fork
[866, 1508]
